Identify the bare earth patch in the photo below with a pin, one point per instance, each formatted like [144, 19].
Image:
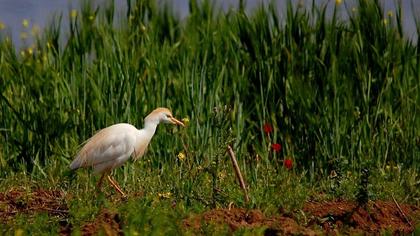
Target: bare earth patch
[332, 217]
[17, 201]
[329, 218]
[106, 222]
[237, 218]
[376, 217]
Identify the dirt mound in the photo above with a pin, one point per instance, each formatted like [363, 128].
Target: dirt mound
[107, 222]
[237, 218]
[375, 217]
[332, 217]
[30, 202]
[20, 201]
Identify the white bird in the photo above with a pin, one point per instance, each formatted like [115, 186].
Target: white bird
[111, 147]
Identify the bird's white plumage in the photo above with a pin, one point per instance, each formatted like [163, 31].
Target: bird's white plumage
[113, 146]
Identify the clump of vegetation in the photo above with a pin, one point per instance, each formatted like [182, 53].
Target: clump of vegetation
[363, 194]
[339, 94]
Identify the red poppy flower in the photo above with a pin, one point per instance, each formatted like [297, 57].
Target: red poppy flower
[288, 163]
[267, 128]
[276, 147]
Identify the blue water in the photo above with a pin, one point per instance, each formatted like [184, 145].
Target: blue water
[40, 12]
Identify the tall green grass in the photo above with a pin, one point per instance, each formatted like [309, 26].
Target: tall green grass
[341, 96]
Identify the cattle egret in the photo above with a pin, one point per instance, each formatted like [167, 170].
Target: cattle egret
[113, 146]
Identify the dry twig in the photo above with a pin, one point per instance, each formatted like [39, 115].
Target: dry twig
[238, 172]
[401, 211]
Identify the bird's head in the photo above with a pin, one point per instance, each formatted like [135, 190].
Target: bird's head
[164, 115]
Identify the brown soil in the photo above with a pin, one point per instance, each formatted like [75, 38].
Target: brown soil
[375, 217]
[17, 201]
[107, 222]
[315, 218]
[318, 218]
[237, 218]
[52, 202]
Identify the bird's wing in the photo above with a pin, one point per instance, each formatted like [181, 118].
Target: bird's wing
[107, 145]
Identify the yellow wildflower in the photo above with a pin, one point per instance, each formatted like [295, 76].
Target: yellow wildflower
[338, 2]
[2, 26]
[186, 121]
[25, 23]
[22, 53]
[181, 156]
[390, 14]
[30, 51]
[73, 13]
[91, 17]
[222, 175]
[385, 21]
[165, 195]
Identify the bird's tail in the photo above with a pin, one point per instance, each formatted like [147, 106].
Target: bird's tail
[76, 163]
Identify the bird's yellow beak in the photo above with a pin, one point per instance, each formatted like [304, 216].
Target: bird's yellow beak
[176, 122]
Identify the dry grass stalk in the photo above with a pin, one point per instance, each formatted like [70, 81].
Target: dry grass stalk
[238, 172]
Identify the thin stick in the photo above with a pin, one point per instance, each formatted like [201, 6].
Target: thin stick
[399, 208]
[238, 172]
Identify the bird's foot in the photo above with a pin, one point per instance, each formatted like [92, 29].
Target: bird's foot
[117, 187]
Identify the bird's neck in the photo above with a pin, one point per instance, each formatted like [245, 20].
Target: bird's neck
[150, 128]
[144, 136]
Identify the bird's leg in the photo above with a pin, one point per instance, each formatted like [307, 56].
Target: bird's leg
[98, 186]
[116, 186]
